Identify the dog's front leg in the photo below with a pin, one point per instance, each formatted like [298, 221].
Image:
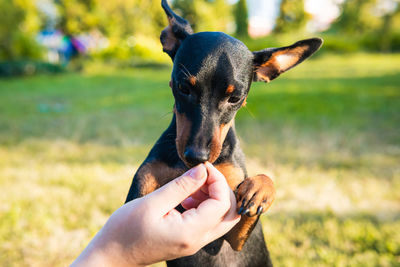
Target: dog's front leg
[254, 196]
[150, 176]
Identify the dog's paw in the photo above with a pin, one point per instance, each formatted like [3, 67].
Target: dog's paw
[255, 195]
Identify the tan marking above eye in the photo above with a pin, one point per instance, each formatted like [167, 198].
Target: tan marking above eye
[192, 80]
[230, 89]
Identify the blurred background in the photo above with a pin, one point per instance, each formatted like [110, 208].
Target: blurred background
[84, 95]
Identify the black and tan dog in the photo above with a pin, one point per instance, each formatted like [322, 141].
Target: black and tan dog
[210, 81]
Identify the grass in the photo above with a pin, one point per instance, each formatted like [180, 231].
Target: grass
[327, 132]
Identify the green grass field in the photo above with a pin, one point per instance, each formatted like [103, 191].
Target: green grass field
[328, 132]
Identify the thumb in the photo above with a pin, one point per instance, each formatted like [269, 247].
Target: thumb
[173, 193]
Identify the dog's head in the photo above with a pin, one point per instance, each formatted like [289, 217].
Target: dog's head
[211, 78]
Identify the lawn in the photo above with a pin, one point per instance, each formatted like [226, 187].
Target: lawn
[328, 132]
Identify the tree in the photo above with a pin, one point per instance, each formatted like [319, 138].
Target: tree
[204, 15]
[19, 22]
[356, 17]
[241, 18]
[292, 16]
[76, 16]
[389, 30]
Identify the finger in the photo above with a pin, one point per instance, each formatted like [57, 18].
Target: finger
[232, 212]
[173, 193]
[216, 182]
[231, 218]
[204, 189]
[200, 195]
[190, 203]
[228, 222]
[194, 200]
[211, 211]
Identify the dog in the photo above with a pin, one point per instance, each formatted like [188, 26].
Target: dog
[211, 77]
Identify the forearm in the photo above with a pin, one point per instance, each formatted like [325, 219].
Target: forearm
[97, 255]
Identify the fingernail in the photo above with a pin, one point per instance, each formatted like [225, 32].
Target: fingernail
[259, 210]
[244, 201]
[240, 210]
[208, 165]
[198, 172]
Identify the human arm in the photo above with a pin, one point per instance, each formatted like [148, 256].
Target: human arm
[150, 229]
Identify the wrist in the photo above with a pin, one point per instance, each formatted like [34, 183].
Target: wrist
[99, 253]
[91, 256]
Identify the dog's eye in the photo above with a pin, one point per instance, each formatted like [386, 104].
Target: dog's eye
[184, 90]
[234, 99]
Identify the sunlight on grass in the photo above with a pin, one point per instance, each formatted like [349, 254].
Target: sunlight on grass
[325, 239]
[327, 132]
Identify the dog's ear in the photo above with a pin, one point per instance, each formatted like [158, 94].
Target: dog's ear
[271, 62]
[177, 30]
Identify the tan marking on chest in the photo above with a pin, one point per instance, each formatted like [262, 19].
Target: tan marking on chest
[156, 174]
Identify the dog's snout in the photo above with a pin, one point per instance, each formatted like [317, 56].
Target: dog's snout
[195, 156]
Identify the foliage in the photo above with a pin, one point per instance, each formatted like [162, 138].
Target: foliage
[133, 26]
[204, 15]
[292, 16]
[241, 18]
[187, 10]
[27, 67]
[356, 17]
[328, 130]
[18, 25]
[76, 16]
[389, 32]
[375, 28]
[121, 19]
[118, 19]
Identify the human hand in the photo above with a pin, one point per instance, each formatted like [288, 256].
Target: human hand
[149, 229]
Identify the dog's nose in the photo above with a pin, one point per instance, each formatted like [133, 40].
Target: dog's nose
[195, 156]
